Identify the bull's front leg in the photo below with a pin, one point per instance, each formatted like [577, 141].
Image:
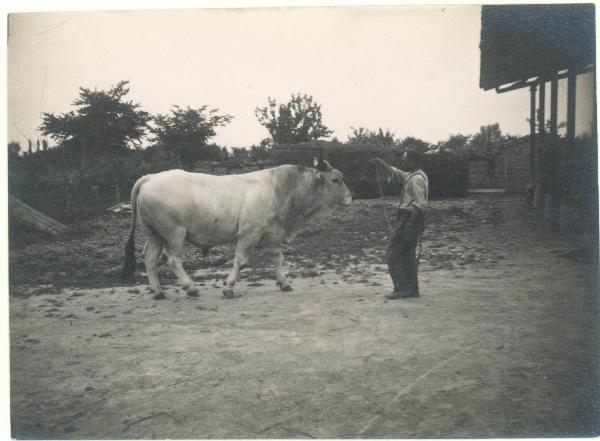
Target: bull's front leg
[233, 276]
[282, 282]
[243, 249]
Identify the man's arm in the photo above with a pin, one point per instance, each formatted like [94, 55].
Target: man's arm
[390, 171]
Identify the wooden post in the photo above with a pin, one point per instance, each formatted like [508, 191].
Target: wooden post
[506, 186]
[551, 169]
[571, 90]
[96, 194]
[539, 157]
[592, 220]
[67, 194]
[532, 152]
[594, 111]
[571, 106]
[117, 193]
[553, 108]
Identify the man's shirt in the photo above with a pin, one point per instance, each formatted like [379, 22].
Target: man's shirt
[415, 192]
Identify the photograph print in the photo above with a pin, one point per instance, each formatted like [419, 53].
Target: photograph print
[303, 222]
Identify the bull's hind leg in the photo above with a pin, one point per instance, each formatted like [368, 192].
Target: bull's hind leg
[152, 252]
[174, 252]
[243, 249]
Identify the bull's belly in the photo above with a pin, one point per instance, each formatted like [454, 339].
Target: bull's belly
[210, 234]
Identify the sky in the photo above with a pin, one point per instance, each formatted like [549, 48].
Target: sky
[412, 70]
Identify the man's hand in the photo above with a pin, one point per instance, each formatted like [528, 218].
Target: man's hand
[379, 161]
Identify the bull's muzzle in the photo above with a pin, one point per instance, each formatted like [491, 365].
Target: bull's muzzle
[347, 196]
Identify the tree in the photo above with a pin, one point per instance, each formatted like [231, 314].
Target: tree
[377, 138]
[103, 123]
[185, 132]
[299, 120]
[411, 142]
[223, 154]
[14, 148]
[487, 144]
[13, 153]
[456, 144]
[240, 154]
[260, 152]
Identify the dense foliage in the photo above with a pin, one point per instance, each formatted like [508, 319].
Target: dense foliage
[368, 137]
[102, 123]
[298, 120]
[185, 132]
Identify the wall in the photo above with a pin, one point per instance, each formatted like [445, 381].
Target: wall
[516, 167]
[479, 176]
[512, 170]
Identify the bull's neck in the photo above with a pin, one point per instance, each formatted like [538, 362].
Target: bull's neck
[304, 203]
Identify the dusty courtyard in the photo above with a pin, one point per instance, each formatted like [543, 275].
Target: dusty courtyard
[502, 342]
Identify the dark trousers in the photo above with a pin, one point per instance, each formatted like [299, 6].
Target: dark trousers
[401, 252]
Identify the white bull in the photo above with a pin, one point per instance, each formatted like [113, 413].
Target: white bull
[266, 206]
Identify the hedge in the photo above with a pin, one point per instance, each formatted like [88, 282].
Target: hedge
[448, 173]
[40, 179]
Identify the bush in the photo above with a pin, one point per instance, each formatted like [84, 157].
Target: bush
[448, 173]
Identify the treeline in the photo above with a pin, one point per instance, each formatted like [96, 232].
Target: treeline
[107, 141]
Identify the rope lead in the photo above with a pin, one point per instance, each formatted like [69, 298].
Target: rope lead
[378, 179]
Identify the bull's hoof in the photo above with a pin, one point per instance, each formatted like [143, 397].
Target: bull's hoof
[191, 290]
[160, 296]
[228, 293]
[286, 288]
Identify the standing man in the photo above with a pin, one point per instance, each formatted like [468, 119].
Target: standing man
[401, 253]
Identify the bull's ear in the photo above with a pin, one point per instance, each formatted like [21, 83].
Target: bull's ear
[327, 164]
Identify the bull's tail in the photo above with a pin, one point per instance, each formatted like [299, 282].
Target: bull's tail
[129, 264]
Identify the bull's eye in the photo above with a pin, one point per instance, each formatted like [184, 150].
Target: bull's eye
[336, 181]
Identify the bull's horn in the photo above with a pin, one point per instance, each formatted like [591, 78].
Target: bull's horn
[322, 166]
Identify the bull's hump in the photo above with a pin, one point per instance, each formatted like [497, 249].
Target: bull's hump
[175, 171]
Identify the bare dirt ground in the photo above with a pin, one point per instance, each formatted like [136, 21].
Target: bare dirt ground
[503, 341]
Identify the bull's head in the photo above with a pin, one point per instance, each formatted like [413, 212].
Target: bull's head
[335, 190]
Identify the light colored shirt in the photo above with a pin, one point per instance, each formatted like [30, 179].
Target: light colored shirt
[415, 188]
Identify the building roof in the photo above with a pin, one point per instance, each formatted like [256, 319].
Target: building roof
[524, 41]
